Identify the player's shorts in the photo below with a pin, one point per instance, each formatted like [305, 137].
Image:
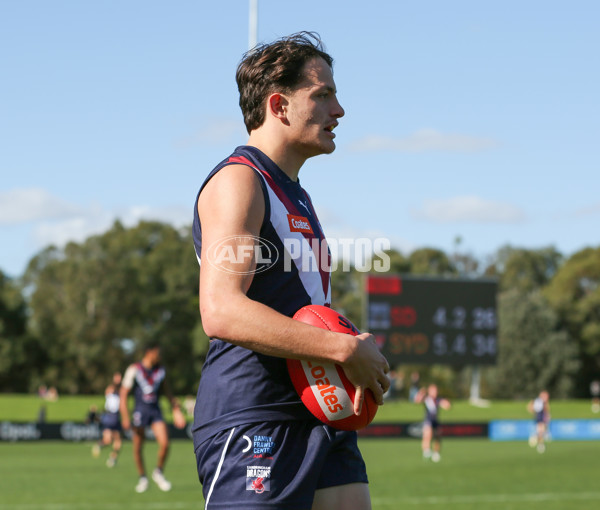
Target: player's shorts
[110, 421]
[276, 465]
[146, 416]
[435, 426]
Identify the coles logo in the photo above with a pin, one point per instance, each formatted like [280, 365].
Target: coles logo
[299, 224]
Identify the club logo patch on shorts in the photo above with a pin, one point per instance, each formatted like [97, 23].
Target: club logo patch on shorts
[258, 479]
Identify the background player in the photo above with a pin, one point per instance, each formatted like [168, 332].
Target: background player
[245, 397]
[540, 408]
[431, 425]
[110, 421]
[595, 394]
[147, 379]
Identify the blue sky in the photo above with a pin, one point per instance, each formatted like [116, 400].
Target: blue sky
[464, 118]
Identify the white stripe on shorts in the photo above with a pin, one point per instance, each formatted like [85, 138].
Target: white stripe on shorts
[218, 472]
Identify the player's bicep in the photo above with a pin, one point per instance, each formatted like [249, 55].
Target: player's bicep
[128, 379]
[231, 208]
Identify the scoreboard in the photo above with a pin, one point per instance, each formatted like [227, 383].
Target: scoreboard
[427, 321]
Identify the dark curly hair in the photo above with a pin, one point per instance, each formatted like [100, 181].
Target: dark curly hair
[274, 67]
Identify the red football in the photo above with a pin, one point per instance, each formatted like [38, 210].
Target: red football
[323, 387]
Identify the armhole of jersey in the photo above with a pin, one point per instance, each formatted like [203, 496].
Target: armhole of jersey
[263, 186]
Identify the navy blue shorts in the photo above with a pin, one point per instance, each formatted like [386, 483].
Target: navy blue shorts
[110, 421]
[276, 465]
[146, 416]
[435, 427]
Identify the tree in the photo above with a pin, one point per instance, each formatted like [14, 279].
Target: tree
[430, 262]
[525, 270]
[574, 293]
[20, 356]
[464, 263]
[347, 286]
[534, 353]
[88, 300]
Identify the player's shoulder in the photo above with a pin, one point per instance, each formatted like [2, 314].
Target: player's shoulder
[232, 176]
[233, 191]
[132, 369]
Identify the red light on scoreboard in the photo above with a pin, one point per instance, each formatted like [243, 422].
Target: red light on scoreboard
[384, 285]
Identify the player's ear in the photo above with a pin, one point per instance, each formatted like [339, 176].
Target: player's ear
[277, 106]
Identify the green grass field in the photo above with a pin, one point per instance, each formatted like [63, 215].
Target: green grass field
[74, 408]
[473, 474]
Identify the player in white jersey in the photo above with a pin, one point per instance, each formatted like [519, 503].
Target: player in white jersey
[110, 421]
[540, 408]
[431, 424]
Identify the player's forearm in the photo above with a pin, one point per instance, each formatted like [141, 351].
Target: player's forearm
[174, 402]
[249, 324]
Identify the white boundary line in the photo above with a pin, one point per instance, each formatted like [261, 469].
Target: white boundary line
[166, 505]
[492, 498]
[433, 500]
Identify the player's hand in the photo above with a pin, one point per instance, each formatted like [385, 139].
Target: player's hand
[125, 423]
[178, 418]
[367, 369]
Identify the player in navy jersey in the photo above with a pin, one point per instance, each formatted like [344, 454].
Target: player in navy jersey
[147, 380]
[263, 256]
[431, 424]
[540, 408]
[110, 421]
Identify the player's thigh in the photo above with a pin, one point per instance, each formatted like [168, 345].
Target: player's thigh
[159, 428]
[106, 436]
[138, 435]
[116, 439]
[427, 432]
[353, 496]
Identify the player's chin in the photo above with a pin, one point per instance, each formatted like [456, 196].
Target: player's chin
[328, 146]
[329, 150]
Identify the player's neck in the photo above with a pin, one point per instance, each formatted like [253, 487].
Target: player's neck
[147, 363]
[278, 151]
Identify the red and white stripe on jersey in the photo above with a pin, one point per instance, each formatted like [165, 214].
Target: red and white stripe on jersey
[316, 277]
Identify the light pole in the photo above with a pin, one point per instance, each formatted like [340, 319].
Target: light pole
[253, 24]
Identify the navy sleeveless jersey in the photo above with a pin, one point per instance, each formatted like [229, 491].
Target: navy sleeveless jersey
[145, 384]
[239, 385]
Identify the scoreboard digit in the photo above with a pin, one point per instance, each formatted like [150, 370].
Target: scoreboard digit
[433, 320]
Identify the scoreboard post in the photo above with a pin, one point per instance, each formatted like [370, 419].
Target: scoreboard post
[418, 320]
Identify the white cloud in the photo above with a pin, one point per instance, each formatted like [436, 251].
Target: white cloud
[74, 229]
[56, 221]
[468, 208]
[425, 140]
[178, 216]
[23, 205]
[95, 221]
